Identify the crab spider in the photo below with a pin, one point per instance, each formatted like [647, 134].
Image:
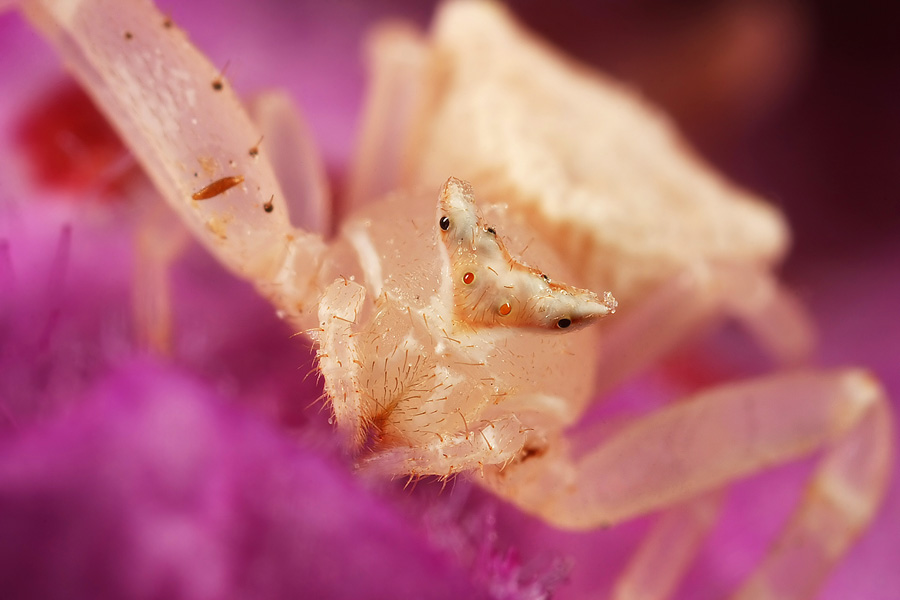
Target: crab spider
[438, 336]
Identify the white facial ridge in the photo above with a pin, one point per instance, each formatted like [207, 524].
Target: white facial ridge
[491, 288]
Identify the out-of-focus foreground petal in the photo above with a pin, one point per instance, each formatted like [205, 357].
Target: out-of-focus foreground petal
[155, 488]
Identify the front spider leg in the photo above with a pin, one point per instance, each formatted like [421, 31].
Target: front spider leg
[191, 134]
[338, 355]
[494, 442]
[722, 435]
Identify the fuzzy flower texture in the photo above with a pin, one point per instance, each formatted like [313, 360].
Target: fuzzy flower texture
[199, 463]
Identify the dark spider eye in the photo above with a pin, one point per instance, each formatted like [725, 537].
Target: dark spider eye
[444, 223]
[545, 277]
[492, 231]
[563, 323]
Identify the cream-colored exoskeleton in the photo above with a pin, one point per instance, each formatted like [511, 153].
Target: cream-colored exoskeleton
[446, 337]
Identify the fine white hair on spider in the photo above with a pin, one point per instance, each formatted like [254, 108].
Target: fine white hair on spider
[437, 341]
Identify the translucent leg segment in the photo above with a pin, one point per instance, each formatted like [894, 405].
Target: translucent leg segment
[723, 435]
[668, 550]
[190, 133]
[285, 138]
[397, 61]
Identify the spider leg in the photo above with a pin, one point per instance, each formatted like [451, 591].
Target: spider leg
[338, 356]
[771, 315]
[192, 136]
[722, 435]
[640, 336]
[286, 139]
[397, 59]
[493, 442]
[840, 502]
[667, 552]
[159, 241]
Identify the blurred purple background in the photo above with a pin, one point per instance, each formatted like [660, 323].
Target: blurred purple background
[797, 100]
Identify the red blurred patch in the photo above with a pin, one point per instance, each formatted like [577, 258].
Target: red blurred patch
[689, 374]
[70, 146]
[719, 357]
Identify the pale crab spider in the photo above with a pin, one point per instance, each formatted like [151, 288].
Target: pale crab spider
[443, 345]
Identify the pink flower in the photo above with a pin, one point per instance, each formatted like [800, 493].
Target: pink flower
[155, 488]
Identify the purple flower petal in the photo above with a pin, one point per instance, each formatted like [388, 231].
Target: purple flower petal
[154, 488]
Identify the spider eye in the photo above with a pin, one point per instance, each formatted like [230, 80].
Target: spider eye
[444, 223]
[563, 323]
[491, 230]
